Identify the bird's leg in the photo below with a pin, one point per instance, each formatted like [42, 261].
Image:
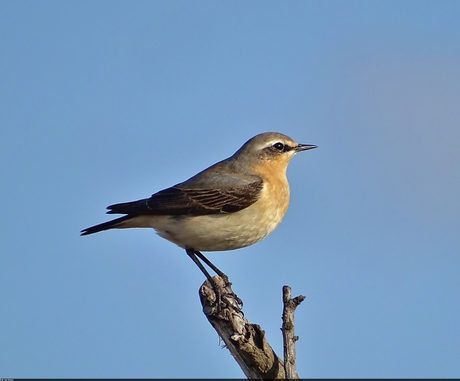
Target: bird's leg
[213, 267]
[193, 254]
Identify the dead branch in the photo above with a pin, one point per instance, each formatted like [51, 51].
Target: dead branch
[289, 338]
[246, 341]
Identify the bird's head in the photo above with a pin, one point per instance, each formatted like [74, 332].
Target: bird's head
[269, 150]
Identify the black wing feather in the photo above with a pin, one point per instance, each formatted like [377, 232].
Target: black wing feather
[193, 202]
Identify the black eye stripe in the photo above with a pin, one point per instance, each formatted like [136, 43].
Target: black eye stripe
[282, 147]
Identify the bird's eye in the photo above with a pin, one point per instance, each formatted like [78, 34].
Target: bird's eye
[279, 146]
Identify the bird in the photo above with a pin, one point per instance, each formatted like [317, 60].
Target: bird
[232, 204]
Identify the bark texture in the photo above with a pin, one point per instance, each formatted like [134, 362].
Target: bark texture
[246, 341]
[289, 338]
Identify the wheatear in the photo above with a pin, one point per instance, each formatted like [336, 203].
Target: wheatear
[232, 204]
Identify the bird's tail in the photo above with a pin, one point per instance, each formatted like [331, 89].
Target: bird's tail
[105, 225]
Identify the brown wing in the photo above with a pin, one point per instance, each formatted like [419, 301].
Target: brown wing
[178, 200]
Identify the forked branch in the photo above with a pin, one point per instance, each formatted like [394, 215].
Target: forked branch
[246, 341]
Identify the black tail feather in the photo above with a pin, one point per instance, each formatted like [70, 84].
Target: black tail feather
[105, 225]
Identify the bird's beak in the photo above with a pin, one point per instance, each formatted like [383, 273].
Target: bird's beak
[304, 147]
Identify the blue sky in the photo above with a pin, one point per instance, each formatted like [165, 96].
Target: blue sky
[104, 102]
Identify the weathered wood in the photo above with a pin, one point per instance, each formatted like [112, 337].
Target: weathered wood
[245, 341]
[289, 337]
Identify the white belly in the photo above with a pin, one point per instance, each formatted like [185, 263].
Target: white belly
[219, 232]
